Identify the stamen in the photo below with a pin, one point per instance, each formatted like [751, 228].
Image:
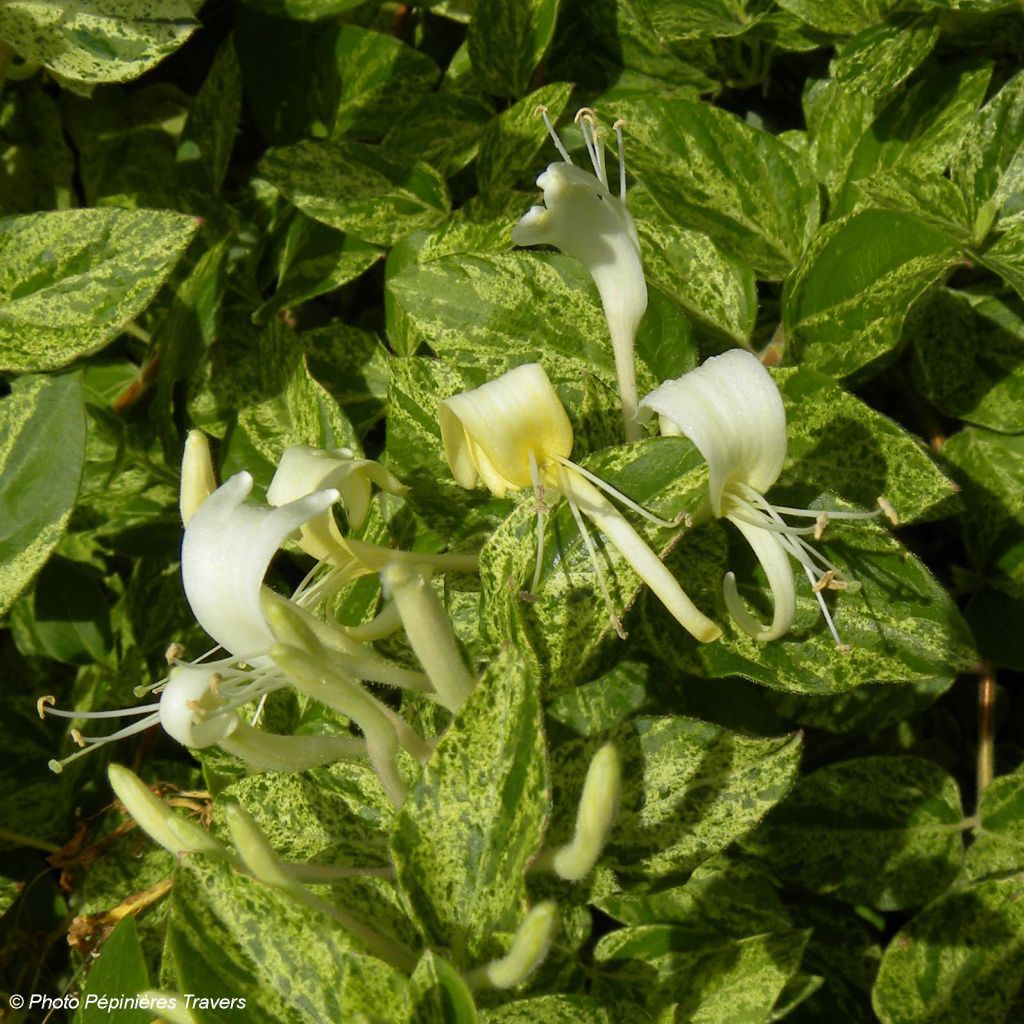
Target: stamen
[587, 120]
[889, 512]
[78, 739]
[617, 128]
[118, 713]
[840, 646]
[541, 510]
[616, 493]
[45, 702]
[824, 583]
[819, 525]
[562, 151]
[594, 561]
[173, 653]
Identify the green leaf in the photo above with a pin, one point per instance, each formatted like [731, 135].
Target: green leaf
[988, 165]
[511, 145]
[97, 40]
[71, 280]
[843, 17]
[306, 10]
[961, 958]
[444, 129]
[566, 619]
[998, 847]
[843, 307]
[491, 312]
[120, 971]
[968, 358]
[475, 818]
[717, 291]
[735, 980]
[42, 451]
[66, 616]
[676, 23]
[204, 152]
[380, 77]
[689, 790]
[315, 259]
[507, 39]
[1006, 257]
[709, 171]
[840, 444]
[564, 1009]
[438, 995]
[885, 831]
[919, 129]
[358, 189]
[879, 59]
[231, 934]
[836, 120]
[990, 468]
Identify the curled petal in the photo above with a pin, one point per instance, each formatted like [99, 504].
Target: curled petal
[489, 432]
[775, 562]
[730, 408]
[225, 555]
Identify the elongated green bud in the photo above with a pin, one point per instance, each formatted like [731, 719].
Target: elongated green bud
[198, 481]
[529, 948]
[599, 803]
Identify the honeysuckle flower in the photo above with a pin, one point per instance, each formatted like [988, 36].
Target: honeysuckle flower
[584, 219]
[732, 411]
[530, 947]
[513, 432]
[595, 815]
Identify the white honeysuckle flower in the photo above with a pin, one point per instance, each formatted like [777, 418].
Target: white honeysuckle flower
[225, 555]
[731, 409]
[198, 481]
[304, 470]
[584, 219]
[513, 432]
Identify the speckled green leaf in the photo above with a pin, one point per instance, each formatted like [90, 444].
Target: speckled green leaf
[673, 22]
[97, 40]
[990, 467]
[751, 193]
[842, 17]
[444, 129]
[438, 995]
[475, 818]
[306, 10]
[689, 789]
[1006, 257]
[968, 358]
[717, 291]
[358, 189]
[599, 705]
[380, 78]
[491, 312]
[709, 982]
[844, 306]
[507, 39]
[928, 196]
[879, 59]
[566, 1009]
[42, 451]
[900, 625]
[229, 934]
[70, 280]
[316, 259]
[961, 958]
[567, 619]
[840, 444]
[920, 128]
[836, 119]
[120, 971]
[998, 846]
[885, 831]
[989, 165]
[513, 146]
[204, 151]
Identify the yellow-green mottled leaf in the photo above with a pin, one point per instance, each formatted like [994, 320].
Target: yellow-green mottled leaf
[843, 17]
[961, 958]
[438, 995]
[96, 40]
[885, 831]
[70, 280]
[475, 818]
[42, 451]
[506, 40]
[879, 59]
[566, 1009]
[358, 188]
[673, 22]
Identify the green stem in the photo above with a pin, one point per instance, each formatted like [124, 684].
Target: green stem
[7, 836]
[986, 744]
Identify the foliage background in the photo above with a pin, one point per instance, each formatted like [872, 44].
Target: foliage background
[288, 221]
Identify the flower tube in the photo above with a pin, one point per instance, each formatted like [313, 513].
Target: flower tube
[513, 432]
[583, 218]
[730, 408]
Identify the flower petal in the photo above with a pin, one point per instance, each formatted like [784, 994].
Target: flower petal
[731, 410]
[225, 555]
[775, 562]
[188, 686]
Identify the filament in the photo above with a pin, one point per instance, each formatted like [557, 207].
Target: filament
[562, 151]
[614, 492]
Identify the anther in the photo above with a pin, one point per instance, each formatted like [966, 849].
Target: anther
[825, 582]
[819, 525]
[888, 511]
[78, 739]
[45, 702]
[174, 652]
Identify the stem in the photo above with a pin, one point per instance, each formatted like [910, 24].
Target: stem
[986, 746]
[7, 836]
